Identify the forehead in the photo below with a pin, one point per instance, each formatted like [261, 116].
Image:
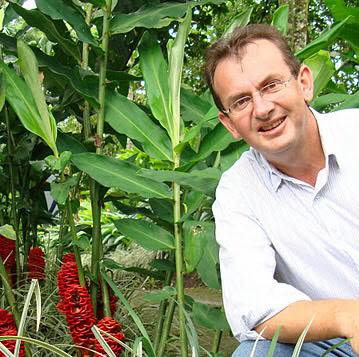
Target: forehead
[257, 59]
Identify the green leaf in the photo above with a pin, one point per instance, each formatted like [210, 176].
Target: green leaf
[111, 264]
[323, 41]
[111, 172]
[61, 10]
[164, 294]
[242, 19]
[175, 61]
[153, 16]
[280, 19]
[127, 118]
[147, 234]
[193, 107]
[351, 102]
[2, 91]
[83, 242]
[98, 3]
[37, 19]
[200, 180]
[155, 73]
[216, 140]
[162, 209]
[29, 69]
[196, 235]
[210, 317]
[20, 98]
[232, 153]
[60, 190]
[207, 267]
[8, 232]
[58, 163]
[273, 344]
[331, 98]
[322, 68]
[67, 142]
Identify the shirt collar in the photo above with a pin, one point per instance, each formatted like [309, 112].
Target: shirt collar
[275, 177]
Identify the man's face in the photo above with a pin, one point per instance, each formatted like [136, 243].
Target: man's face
[270, 126]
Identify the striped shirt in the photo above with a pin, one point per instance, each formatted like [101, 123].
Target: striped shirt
[282, 240]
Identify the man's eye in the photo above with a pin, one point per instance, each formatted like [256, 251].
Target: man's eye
[271, 87]
[240, 103]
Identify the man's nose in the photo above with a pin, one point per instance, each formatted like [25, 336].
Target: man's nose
[261, 107]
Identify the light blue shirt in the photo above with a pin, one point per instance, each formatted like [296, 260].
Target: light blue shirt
[282, 240]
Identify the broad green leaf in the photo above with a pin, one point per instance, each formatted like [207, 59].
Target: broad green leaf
[58, 163]
[111, 172]
[127, 118]
[98, 3]
[280, 19]
[2, 91]
[196, 235]
[37, 19]
[162, 209]
[193, 107]
[232, 153]
[175, 65]
[147, 234]
[66, 142]
[8, 232]
[340, 11]
[62, 10]
[60, 190]
[322, 68]
[331, 98]
[242, 19]
[207, 267]
[153, 16]
[216, 140]
[210, 317]
[164, 294]
[20, 98]
[200, 180]
[351, 102]
[323, 41]
[155, 73]
[192, 202]
[30, 71]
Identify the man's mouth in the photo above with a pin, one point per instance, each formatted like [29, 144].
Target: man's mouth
[272, 126]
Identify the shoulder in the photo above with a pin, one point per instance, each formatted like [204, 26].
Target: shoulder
[337, 118]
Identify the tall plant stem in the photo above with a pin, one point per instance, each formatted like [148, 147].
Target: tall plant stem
[84, 65]
[162, 313]
[166, 328]
[70, 218]
[179, 259]
[97, 249]
[14, 216]
[216, 341]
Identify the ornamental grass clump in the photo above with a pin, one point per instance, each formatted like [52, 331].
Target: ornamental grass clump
[36, 264]
[8, 328]
[114, 328]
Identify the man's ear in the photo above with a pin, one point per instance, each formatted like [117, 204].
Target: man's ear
[306, 82]
[228, 124]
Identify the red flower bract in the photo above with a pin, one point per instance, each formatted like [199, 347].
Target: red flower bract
[8, 328]
[36, 263]
[7, 253]
[111, 326]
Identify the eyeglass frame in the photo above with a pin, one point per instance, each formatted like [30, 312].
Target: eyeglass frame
[260, 91]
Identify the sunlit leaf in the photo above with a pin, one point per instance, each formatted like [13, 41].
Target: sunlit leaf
[280, 19]
[210, 317]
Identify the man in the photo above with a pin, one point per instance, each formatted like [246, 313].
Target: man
[287, 212]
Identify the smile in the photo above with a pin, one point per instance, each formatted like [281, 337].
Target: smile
[272, 125]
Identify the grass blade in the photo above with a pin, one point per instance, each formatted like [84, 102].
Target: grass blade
[256, 342]
[137, 347]
[273, 344]
[6, 351]
[336, 346]
[301, 338]
[95, 330]
[38, 305]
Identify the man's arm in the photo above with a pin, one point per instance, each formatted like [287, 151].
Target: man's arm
[332, 319]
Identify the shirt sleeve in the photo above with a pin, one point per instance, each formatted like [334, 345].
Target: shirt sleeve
[251, 294]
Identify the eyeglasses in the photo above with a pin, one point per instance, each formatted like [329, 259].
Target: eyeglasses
[267, 92]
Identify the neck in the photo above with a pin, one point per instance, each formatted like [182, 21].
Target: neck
[305, 162]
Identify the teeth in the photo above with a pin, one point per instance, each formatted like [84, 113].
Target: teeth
[272, 126]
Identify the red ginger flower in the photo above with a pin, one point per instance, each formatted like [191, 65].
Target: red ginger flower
[67, 275]
[111, 326]
[7, 252]
[68, 257]
[79, 315]
[8, 328]
[36, 263]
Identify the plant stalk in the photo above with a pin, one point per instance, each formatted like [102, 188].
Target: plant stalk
[166, 328]
[179, 260]
[97, 249]
[216, 341]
